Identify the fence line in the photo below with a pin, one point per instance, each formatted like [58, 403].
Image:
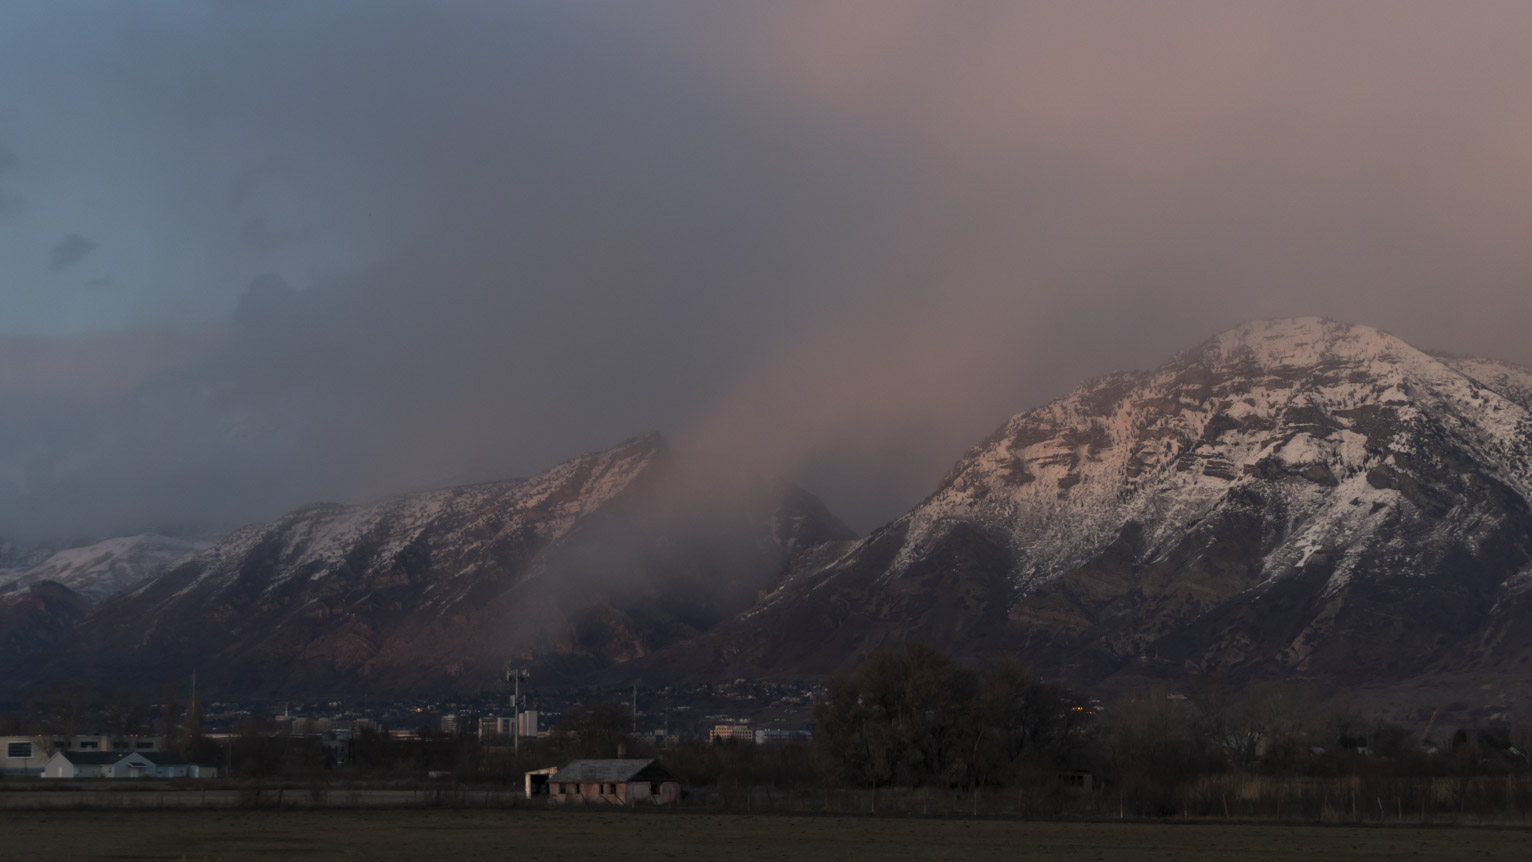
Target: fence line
[1232, 797]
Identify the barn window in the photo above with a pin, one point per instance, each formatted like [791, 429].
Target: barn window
[654, 788]
[18, 749]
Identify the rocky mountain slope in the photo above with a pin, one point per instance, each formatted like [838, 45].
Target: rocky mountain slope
[44, 598]
[99, 570]
[595, 561]
[36, 623]
[1294, 497]
[16, 558]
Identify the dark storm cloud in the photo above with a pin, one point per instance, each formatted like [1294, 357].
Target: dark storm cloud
[835, 241]
[248, 183]
[261, 236]
[69, 251]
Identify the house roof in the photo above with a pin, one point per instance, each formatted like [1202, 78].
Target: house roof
[159, 758]
[91, 758]
[612, 771]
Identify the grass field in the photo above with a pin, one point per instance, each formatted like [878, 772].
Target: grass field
[576, 836]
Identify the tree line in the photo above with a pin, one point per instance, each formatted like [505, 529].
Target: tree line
[917, 719]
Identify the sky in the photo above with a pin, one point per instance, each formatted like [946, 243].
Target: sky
[259, 254]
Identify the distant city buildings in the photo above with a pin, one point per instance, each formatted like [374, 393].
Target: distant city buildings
[771, 735]
[525, 725]
[739, 731]
[341, 728]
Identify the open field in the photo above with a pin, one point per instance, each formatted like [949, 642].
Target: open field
[553, 836]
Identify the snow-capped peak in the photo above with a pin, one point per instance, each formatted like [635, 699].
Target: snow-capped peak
[1290, 497]
[318, 540]
[1315, 410]
[101, 569]
[1298, 342]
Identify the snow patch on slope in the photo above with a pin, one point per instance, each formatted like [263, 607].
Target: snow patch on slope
[318, 541]
[1305, 414]
[102, 569]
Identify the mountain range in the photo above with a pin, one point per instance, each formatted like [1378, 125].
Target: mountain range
[1294, 498]
[601, 559]
[102, 569]
[1291, 499]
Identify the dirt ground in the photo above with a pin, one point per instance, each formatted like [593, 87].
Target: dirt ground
[460, 836]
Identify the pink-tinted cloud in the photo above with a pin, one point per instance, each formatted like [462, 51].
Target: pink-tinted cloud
[837, 240]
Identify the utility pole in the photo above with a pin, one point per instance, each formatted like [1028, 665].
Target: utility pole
[635, 709]
[515, 676]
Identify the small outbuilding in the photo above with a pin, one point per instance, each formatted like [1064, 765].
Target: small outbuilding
[537, 781]
[615, 782]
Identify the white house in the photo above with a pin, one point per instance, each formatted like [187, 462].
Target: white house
[80, 764]
[138, 764]
[157, 764]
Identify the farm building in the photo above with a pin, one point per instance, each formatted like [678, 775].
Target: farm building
[110, 764]
[158, 764]
[615, 782]
[80, 764]
[28, 755]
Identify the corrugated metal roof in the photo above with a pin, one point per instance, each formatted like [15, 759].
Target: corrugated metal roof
[612, 772]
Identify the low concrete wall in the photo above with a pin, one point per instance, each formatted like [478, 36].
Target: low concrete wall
[265, 797]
